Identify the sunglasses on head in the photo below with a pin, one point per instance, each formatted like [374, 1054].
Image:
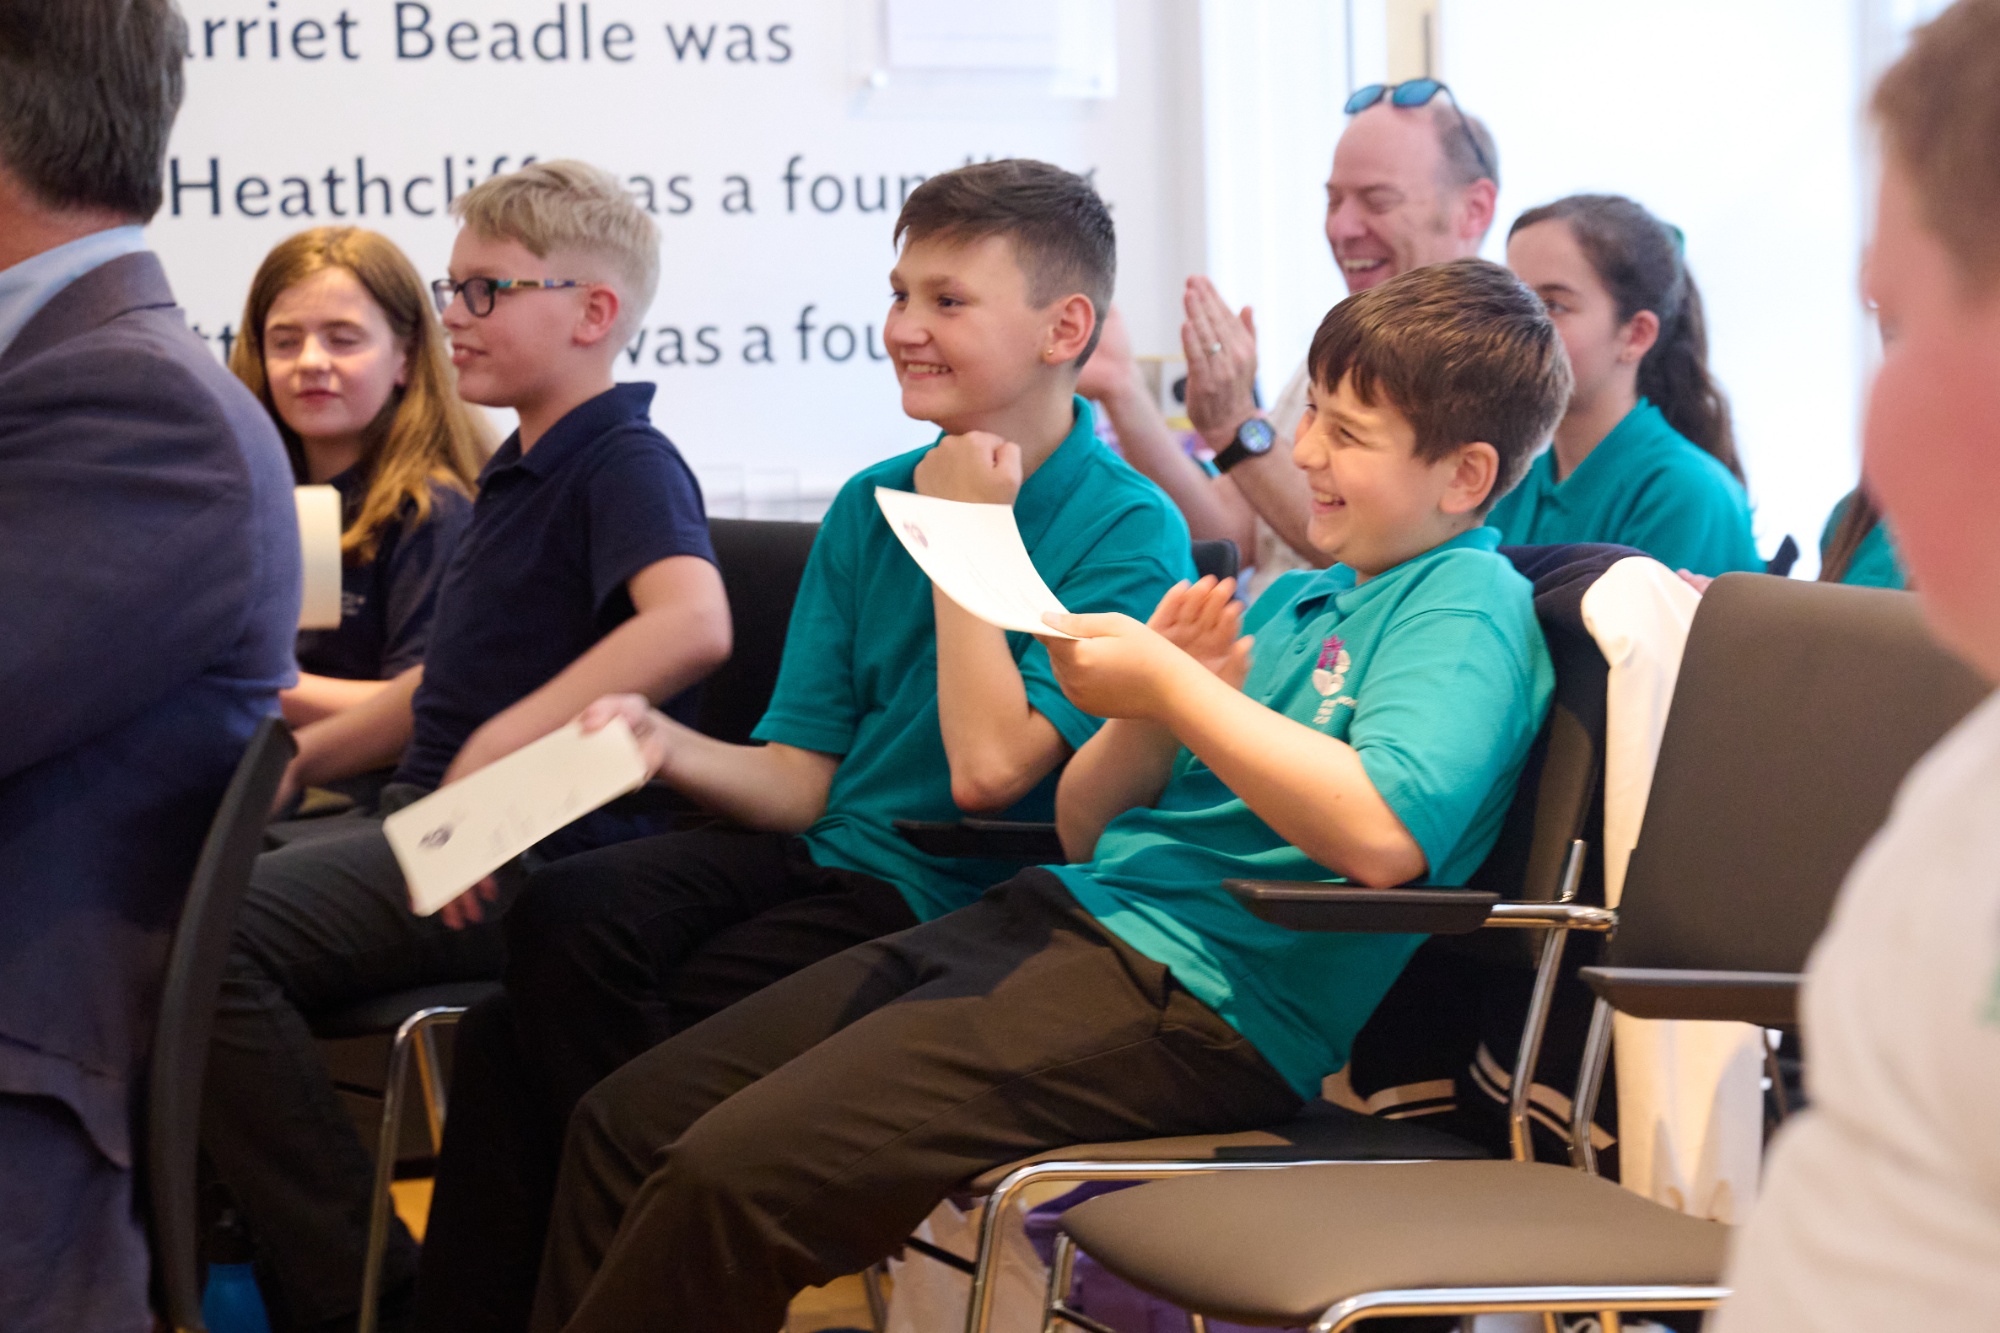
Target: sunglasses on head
[1419, 92]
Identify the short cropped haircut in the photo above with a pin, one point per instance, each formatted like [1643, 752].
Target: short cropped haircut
[570, 205]
[1461, 165]
[1939, 107]
[1061, 230]
[88, 94]
[1463, 350]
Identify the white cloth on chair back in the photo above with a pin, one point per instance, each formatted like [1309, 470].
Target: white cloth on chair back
[1690, 1095]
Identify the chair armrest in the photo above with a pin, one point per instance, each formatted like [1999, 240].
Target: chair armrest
[985, 839]
[1407, 909]
[1768, 999]
[1413, 909]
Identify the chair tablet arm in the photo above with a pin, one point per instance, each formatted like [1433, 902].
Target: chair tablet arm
[1768, 999]
[1410, 910]
[985, 839]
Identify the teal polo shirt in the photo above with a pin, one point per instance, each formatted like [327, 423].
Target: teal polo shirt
[859, 674]
[1436, 673]
[1875, 563]
[1644, 485]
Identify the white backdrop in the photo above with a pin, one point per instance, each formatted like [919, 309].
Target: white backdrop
[1740, 121]
[774, 167]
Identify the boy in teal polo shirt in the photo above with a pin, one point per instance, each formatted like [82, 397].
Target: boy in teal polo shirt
[891, 703]
[1372, 732]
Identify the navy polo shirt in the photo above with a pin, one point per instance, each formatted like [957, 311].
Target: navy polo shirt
[539, 575]
[386, 603]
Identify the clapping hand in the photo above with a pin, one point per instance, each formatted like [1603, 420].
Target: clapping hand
[1204, 621]
[1117, 667]
[1221, 350]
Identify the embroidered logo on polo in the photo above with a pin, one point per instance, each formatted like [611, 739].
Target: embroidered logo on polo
[1329, 674]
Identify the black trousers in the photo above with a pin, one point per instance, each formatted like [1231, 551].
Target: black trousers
[327, 924]
[609, 954]
[804, 1132]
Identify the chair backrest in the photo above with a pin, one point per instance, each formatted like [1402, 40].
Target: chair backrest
[1559, 783]
[762, 563]
[1217, 556]
[187, 1012]
[1798, 710]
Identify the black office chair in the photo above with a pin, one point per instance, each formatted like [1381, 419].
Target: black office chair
[762, 563]
[1217, 556]
[1770, 779]
[187, 1016]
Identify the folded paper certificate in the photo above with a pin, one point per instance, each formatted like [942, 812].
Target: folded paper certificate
[319, 543]
[975, 554]
[461, 833]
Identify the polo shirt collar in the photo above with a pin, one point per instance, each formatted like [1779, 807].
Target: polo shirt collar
[617, 405]
[1041, 496]
[1642, 424]
[1337, 584]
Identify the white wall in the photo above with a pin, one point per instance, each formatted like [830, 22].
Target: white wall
[677, 122]
[1738, 120]
[1272, 81]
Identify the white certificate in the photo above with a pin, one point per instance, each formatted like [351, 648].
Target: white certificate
[974, 553]
[463, 832]
[319, 544]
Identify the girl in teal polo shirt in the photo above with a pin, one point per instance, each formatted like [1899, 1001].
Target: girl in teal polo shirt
[1856, 546]
[1645, 455]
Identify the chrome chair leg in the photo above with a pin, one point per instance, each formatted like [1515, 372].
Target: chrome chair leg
[878, 1303]
[1062, 1271]
[416, 1037]
[430, 1075]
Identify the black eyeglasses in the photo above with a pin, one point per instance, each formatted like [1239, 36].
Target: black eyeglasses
[481, 293]
[1419, 92]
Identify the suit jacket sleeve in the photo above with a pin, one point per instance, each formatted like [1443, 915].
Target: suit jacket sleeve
[126, 561]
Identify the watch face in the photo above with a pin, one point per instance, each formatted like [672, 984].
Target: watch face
[1255, 435]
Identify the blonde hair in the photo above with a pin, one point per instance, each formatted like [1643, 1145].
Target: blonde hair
[425, 433]
[571, 205]
[1939, 107]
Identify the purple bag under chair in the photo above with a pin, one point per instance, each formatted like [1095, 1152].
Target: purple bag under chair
[1108, 1299]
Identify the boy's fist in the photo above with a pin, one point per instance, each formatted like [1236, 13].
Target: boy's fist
[977, 467]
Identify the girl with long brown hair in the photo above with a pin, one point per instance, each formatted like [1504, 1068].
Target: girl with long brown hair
[1645, 455]
[339, 342]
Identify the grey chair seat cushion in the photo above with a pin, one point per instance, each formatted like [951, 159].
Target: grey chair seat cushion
[385, 1013]
[1320, 1132]
[1280, 1247]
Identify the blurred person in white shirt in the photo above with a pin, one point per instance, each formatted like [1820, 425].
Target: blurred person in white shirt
[1881, 1209]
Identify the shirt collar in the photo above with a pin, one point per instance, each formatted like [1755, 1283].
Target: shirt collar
[33, 283]
[1633, 431]
[616, 406]
[1337, 584]
[1042, 494]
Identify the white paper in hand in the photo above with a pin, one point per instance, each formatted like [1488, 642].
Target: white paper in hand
[461, 833]
[975, 554]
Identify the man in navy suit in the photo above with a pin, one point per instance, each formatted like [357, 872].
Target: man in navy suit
[149, 586]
